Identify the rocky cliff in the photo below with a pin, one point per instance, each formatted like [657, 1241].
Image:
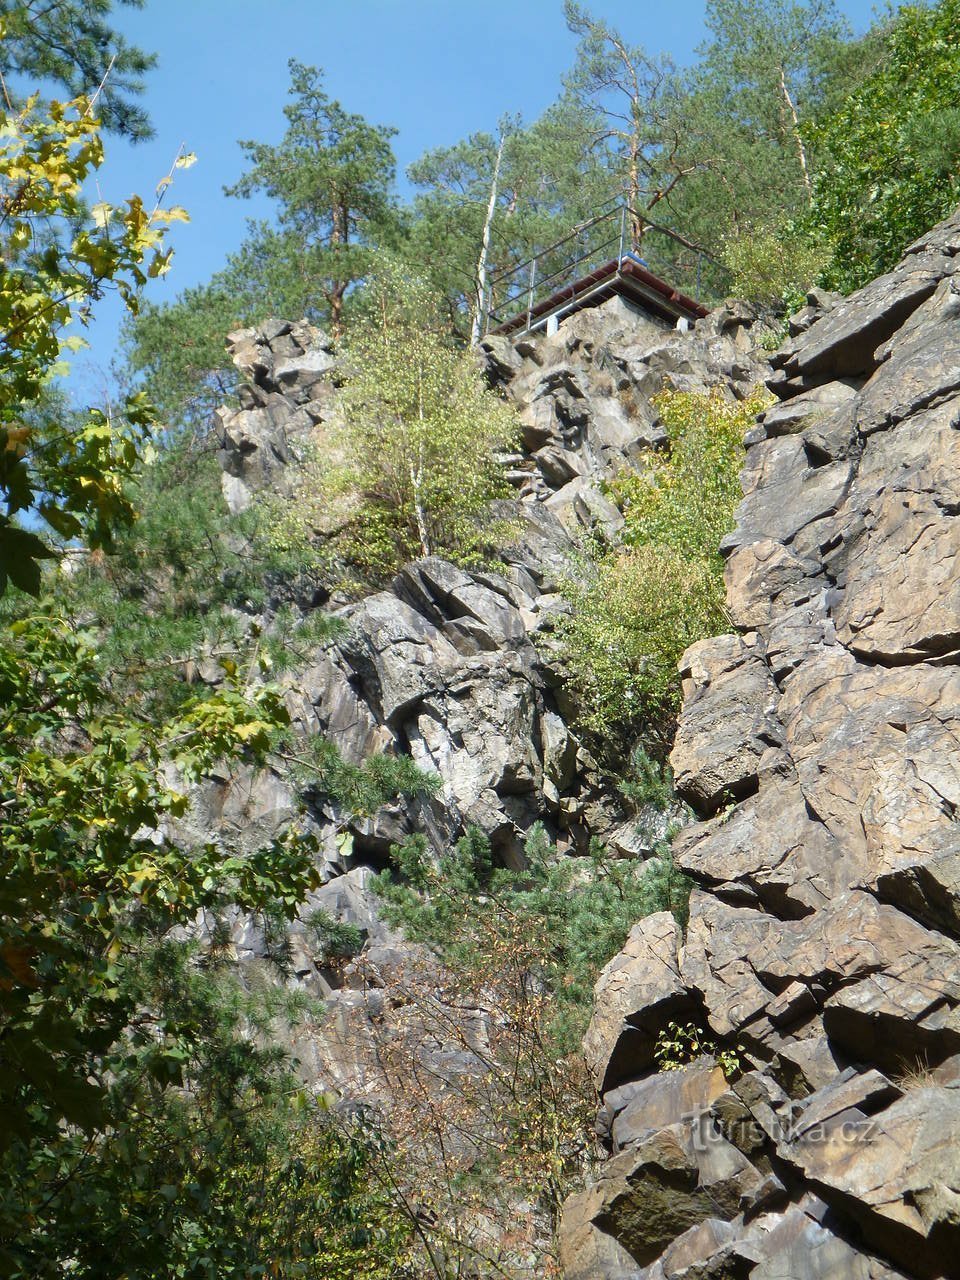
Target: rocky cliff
[450, 667]
[819, 745]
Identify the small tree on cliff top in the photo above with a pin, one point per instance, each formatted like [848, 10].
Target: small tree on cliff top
[412, 465]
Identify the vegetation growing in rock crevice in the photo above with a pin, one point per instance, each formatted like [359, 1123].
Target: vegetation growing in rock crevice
[520, 953]
[661, 589]
[412, 466]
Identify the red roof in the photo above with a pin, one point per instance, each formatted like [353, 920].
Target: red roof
[625, 276]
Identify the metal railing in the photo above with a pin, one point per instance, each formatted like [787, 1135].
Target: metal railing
[615, 234]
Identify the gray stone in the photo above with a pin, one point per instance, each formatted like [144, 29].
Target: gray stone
[729, 701]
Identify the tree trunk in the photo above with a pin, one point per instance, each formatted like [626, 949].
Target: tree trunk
[481, 280]
[416, 480]
[336, 309]
[798, 137]
[339, 236]
[633, 194]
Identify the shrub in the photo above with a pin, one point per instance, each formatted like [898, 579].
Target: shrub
[774, 268]
[627, 635]
[561, 919]
[661, 590]
[680, 1045]
[411, 467]
[520, 953]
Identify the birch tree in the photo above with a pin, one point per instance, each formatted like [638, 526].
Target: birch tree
[481, 290]
[493, 200]
[412, 464]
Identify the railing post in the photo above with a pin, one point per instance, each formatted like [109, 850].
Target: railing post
[623, 227]
[533, 281]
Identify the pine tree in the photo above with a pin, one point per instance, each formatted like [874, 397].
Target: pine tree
[330, 175]
[73, 44]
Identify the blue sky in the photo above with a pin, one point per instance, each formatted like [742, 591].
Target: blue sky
[436, 70]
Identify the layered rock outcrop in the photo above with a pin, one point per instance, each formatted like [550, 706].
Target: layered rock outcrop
[447, 666]
[820, 745]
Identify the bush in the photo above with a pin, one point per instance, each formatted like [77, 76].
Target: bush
[520, 953]
[561, 920]
[411, 467]
[662, 590]
[774, 267]
[627, 635]
[220, 1166]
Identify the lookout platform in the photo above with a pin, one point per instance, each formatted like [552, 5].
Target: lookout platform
[649, 266]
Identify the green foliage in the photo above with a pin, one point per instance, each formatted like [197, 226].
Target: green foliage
[890, 155]
[294, 639]
[412, 468]
[104, 1028]
[679, 1045]
[183, 583]
[219, 1166]
[684, 498]
[627, 634]
[334, 939]
[663, 589]
[72, 44]
[57, 259]
[722, 148]
[560, 920]
[86, 866]
[647, 782]
[774, 268]
[361, 789]
[330, 176]
[634, 97]
[550, 176]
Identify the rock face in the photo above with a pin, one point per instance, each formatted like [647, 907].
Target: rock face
[449, 666]
[444, 664]
[821, 747]
[286, 392]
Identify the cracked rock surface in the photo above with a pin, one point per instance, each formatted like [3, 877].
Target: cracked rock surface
[820, 746]
[446, 665]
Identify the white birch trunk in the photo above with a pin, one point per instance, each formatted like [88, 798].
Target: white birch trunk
[481, 281]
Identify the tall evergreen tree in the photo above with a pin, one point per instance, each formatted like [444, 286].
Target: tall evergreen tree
[331, 176]
[763, 74]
